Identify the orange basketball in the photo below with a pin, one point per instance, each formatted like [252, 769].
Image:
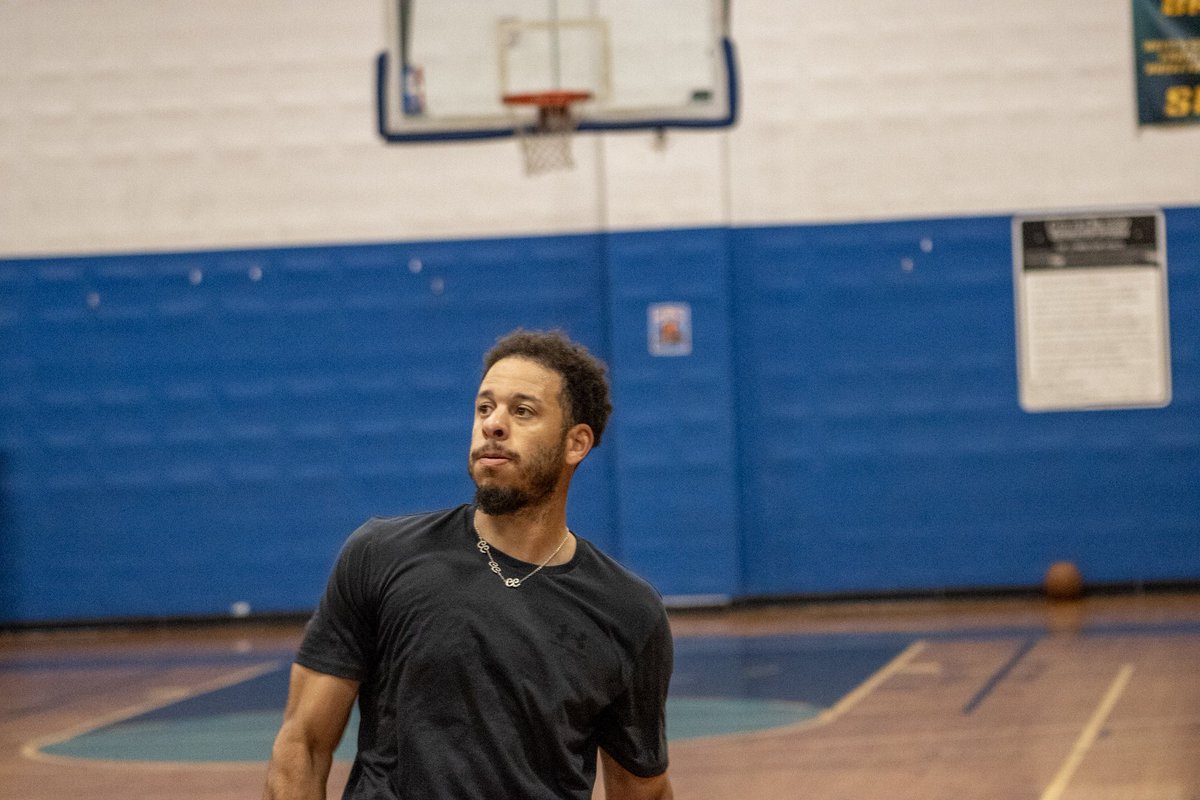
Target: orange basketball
[1063, 581]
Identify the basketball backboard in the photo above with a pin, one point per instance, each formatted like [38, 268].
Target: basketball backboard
[450, 64]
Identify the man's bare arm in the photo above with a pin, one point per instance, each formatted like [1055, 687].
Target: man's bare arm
[621, 784]
[318, 707]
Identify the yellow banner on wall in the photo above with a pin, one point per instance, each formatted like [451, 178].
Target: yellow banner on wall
[1167, 45]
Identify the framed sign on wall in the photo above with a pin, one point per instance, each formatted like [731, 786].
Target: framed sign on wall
[1091, 311]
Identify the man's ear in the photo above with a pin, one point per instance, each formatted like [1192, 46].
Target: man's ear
[579, 443]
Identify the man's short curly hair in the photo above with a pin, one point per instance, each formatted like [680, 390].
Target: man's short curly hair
[585, 395]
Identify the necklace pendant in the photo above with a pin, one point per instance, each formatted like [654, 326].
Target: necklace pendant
[513, 583]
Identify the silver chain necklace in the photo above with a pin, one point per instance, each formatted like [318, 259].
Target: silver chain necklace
[513, 583]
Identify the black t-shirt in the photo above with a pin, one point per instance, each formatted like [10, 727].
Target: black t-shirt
[472, 689]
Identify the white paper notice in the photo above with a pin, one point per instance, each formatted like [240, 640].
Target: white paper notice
[1091, 298]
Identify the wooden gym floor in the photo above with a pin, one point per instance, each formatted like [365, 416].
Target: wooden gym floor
[1002, 698]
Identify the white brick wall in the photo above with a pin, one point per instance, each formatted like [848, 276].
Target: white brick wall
[887, 108]
[175, 125]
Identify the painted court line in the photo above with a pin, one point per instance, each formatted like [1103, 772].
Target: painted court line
[1088, 736]
[896, 665]
[1000, 675]
[872, 683]
[33, 750]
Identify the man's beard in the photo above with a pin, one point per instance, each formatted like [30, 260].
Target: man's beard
[541, 476]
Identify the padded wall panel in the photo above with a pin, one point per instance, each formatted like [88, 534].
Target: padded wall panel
[180, 431]
[676, 463]
[883, 447]
[183, 431]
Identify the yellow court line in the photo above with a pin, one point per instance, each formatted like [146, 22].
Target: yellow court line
[33, 749]
[1088, 736]
[871, 684]
[837, 709]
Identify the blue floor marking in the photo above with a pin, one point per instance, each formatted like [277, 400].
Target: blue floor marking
[1000, 674]
[721, 685]
[233, 736]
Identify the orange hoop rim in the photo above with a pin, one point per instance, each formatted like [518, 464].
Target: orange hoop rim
[552, 99]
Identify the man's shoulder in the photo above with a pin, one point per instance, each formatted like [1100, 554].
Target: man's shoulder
[406, 527]
[620, 581]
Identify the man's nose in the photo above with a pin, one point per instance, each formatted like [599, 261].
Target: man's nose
[495, 426]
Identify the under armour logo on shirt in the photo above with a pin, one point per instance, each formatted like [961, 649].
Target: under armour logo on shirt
[566, 637]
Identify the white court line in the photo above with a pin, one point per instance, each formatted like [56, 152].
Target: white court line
[1088, 737]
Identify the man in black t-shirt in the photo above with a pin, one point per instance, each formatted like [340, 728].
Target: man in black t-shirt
[492, 651]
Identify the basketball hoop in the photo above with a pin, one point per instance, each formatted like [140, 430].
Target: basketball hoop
[546, 143]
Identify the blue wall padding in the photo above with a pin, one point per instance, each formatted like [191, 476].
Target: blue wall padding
[200, 437]
[676, 460]
[882, 444]
[182, 431]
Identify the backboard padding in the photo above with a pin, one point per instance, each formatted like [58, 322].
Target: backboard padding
[647, 65]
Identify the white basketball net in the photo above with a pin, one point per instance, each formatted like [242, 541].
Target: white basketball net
[546, 145]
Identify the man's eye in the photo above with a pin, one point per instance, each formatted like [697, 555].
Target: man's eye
[523, 411]
[483, 409]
